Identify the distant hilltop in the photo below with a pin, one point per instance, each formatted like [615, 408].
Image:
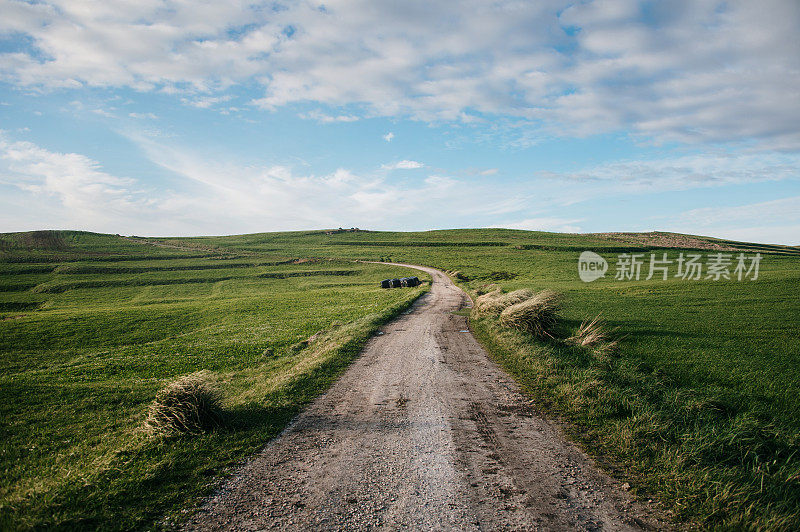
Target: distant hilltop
[351, 230]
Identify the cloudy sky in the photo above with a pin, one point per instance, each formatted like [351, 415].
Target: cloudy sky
[181, 117]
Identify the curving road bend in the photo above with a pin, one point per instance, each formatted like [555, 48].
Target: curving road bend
[423, 432]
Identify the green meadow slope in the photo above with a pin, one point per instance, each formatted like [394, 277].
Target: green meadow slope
[699, 407]
[92, 326]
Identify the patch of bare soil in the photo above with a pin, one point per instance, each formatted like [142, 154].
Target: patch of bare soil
[664, 240]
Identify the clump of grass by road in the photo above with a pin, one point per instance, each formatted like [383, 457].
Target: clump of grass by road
[187, 405]
[496, 301]
[592, 333]
[82, 366]
[536, 314]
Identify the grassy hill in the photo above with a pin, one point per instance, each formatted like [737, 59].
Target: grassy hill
[92, 326]
[699, 406]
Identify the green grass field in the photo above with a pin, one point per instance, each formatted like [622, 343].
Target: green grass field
[92, 326]
[700, 407]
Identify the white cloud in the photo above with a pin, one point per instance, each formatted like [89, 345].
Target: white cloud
[323, 118]
[104, 113]
[240, 197]
[205, 102]
[74, 185]
[707, 70]
[388, 137]
[216, 195]
[403, 165]
[563, 225]
[151, 116]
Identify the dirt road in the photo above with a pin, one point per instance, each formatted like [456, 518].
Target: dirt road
[422, 432]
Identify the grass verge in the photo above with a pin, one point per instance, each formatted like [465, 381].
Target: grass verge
[708, 455]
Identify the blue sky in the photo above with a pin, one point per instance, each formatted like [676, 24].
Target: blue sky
[166, 117]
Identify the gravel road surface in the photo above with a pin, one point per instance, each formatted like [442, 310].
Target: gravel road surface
[423, 432]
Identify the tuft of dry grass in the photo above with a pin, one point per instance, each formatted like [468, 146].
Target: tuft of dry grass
[593, 334]
[487, 299]
[496, 301]
[188, 405]
[537, 314]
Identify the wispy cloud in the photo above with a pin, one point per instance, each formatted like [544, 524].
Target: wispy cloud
[205, 102]
[212, 195]
[388, 137]
[403, 165]
[77, 185]
[151, 116]
[104, 113]
[323, 118]
[231, 196]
